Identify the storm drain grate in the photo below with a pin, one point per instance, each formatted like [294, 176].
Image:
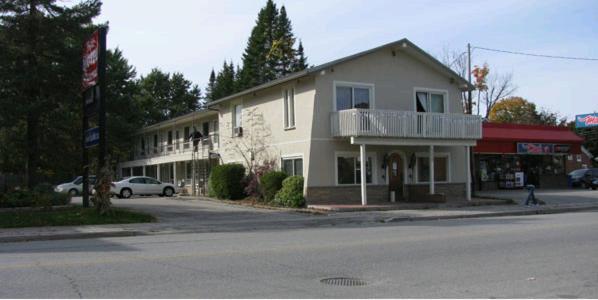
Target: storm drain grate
[344, 281]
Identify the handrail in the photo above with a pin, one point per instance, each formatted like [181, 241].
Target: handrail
[405, 124]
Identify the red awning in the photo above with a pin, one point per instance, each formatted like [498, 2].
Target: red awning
[503, 138]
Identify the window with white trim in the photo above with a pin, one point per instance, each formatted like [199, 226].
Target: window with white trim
[292, 166]
[348, 169]
[441, 168]
[289, 107]
[350, 96]
[237, 116]
[427, 101]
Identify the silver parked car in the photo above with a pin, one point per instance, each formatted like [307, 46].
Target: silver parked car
[142, 185]
[75, 187]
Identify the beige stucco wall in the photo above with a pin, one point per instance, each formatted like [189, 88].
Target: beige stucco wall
[262, 123]
[394, 80]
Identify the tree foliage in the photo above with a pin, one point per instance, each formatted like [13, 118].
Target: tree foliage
[517, 110]
[271, 53]
[163, 96]
[40, 91]
[40, 82]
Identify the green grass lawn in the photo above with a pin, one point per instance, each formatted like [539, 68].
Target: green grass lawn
[76, 215]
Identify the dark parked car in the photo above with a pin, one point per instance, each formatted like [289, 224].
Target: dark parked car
[583, 177]
[594, 184]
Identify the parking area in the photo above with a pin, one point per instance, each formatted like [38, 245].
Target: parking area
[550, 196]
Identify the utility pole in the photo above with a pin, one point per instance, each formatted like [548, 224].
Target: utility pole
[469, 104]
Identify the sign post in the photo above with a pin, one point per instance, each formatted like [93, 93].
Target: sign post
[93, 87]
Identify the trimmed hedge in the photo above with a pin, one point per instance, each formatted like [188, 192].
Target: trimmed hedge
[226, 181]
[291, 194]
[271, 183]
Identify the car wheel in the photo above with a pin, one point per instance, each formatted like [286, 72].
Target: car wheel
[168, 192]
[73, 192]
[126, 193]
[583, 185]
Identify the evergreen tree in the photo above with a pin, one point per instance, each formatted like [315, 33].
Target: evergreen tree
[300, 62]
[40, 43]
[210, 88]
[282, 53]
[269, 54]
[257, 69]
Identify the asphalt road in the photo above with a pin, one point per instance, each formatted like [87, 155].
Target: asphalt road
[515, 257]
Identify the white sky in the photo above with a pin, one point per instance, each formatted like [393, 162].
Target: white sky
[193, 37]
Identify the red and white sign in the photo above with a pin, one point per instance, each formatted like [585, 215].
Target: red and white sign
[91, 52]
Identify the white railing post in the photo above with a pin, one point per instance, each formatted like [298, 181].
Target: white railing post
[389, 123]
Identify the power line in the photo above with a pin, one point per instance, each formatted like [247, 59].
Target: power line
[537, 55]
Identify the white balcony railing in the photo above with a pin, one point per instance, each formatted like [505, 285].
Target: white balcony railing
[205, 145]
[404, 124]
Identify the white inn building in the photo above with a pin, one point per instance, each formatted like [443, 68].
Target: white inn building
[394, 107]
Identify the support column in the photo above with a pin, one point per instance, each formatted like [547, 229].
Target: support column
[431, 165]
[363, 169]
[143, 170]
[158, 172]
[174, 174]
[467, 174]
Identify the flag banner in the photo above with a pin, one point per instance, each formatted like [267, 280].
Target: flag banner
[90, 61]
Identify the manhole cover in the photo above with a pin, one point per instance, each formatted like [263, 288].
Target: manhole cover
[344, 281]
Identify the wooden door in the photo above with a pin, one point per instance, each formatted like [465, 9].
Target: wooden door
[395, 175]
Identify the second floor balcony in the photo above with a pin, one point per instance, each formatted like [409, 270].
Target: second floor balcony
[204, 145]
[404, 124]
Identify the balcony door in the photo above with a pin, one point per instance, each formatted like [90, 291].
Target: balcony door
[395, 175]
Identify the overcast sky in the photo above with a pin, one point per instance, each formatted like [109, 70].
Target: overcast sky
[193, 37]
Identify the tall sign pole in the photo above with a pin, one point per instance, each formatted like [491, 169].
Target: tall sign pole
[102, 99]
[93, 87]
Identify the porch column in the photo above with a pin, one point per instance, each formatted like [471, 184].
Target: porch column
[363, 157]
[431, 164]
[174, 174]
[158, 172]
[143, 170]
[467, 174]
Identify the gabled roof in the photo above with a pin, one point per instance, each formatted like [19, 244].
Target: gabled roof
[402, 44]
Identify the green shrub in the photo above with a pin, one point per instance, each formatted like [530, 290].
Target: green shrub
[291, 194]
[225, 181]
[44, 188]
[24, 198]
[271, 183]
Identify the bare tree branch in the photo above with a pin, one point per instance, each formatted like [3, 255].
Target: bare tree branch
[500, 86]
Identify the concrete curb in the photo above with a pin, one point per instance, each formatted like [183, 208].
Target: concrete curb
[71, 236]
[545, 211]
[353, 220]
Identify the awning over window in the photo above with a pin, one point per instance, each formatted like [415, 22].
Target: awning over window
[503, 138]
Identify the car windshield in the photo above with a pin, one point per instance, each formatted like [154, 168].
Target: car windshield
[77, 180]
[578, 173]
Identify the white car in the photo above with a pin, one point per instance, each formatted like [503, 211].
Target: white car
[142, 185]
[75, 187]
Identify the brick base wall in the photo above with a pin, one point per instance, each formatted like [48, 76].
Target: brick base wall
[421, 192]
[346, 194]
[379, 194]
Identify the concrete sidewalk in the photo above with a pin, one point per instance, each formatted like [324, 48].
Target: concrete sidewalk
[197, 216]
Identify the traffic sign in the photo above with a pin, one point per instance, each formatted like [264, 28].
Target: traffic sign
[92, 137]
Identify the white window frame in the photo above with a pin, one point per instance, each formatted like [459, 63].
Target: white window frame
[427, 156]
[234, 115]
[431, 91]
[293, 157]
[370, 86]
[373, 155]
[288, 111]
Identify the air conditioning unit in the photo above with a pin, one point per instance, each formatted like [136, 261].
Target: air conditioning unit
[238, 131]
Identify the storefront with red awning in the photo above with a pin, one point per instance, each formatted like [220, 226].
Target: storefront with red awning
[512, 155]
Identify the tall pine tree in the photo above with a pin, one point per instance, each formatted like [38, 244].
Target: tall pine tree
[270, 53]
